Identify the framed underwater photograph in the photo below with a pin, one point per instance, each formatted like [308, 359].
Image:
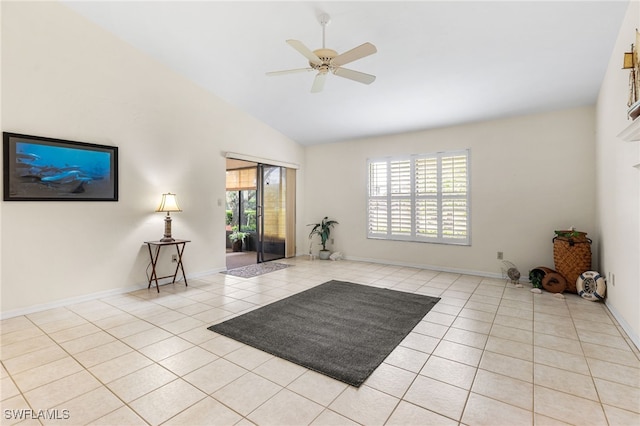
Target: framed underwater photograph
[45, 169]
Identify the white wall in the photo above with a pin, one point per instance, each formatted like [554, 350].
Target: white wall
[529, 176]
[618, 186]
[64, 77]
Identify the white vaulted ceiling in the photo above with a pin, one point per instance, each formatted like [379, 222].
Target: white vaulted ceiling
[439, 63]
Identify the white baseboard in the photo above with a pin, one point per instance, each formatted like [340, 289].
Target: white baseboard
[624, 324]
[66, 302]
[425, 266]
[97, 295]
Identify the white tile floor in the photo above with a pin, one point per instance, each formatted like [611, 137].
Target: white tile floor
[488, 353]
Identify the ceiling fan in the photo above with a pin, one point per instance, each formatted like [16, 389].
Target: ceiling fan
[327, 60]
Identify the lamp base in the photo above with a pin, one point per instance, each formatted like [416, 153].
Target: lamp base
[167, 230]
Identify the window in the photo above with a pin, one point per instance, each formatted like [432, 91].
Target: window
[420, 198]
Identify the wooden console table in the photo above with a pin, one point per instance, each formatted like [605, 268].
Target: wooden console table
[179, 245]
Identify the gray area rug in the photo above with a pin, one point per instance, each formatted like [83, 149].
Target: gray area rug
[256, 269]
[340, 329]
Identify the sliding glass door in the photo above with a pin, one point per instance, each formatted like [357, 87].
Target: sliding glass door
[261, 206]
[271, 209]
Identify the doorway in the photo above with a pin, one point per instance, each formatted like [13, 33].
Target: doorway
[260, 213]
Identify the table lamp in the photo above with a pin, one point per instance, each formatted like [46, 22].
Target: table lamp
[168, 204]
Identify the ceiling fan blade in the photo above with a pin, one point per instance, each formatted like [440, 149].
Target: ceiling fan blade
[304, 50]
[356, 53]
[355, 75]
[318, 82]
[270, 73]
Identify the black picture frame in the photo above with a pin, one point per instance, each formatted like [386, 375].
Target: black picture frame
[39, 168]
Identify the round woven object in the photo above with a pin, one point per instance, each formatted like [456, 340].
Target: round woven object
[552, 281]
[571, 256]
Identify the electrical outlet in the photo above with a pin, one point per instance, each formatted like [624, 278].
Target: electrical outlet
[174, 258]
[613, 278]
[500, 255]
[332, 241]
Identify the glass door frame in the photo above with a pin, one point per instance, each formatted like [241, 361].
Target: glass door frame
[262, 212]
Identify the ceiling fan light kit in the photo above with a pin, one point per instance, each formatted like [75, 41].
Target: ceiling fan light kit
[325, 60]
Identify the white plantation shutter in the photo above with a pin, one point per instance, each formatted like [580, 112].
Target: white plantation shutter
[378, 204]
[401, 217]
[400, 172]
[420, 198]
[426, 218]
[378, 221]
[454, 196]
[426, 197]
[400, 183]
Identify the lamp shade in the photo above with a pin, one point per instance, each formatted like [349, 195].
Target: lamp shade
[169, 203]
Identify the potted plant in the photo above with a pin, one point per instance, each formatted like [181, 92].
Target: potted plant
[323, 229]
[236, 237]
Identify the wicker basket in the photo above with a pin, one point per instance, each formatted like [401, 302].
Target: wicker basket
[571, 255]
